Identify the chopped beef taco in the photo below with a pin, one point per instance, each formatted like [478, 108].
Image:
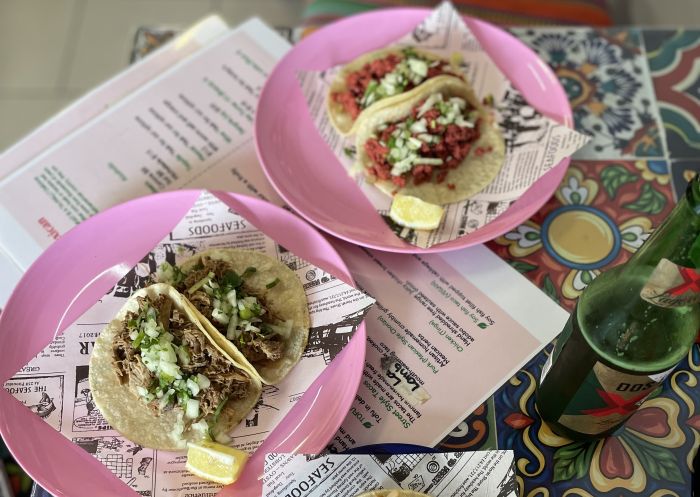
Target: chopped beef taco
[438, 144]
[160, 380]
[250, 303]
[380, 78]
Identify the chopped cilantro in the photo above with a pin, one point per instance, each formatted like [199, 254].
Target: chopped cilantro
[410, 52]
[231, 279]
[138, 339]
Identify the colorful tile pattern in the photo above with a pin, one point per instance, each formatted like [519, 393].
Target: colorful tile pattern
[605, 75]
[476, 432]
[602, 212]
[650, 455]
[599, 216]
[673, 61]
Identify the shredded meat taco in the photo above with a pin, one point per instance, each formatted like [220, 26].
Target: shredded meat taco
[380, 78]
[438, 144]
[249, 303]
[160, 379]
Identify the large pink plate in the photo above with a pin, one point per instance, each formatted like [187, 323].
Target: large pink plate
[307, 175]
[81, 267]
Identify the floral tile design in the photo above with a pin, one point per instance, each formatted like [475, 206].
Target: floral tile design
[672, 56]
[650, 455]
[477, 432]
[605, 75]
[600, 214]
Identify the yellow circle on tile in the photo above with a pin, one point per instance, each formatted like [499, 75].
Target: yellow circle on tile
[581, 237]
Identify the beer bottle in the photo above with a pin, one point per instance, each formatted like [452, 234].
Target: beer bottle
[631, 326]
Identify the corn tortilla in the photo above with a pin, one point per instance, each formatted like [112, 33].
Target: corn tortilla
[123, 408]
[286, 300]
[470, 177]
[339, 118]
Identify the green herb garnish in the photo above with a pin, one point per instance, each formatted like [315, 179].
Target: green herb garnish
[248, 272]
[139, 338]
[217, 413]
[273, 283]
[410, 52]
[231, 279]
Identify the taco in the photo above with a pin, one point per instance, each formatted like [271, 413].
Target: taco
[160, 380]
[249, 303]
[439, 144]
[380, 78]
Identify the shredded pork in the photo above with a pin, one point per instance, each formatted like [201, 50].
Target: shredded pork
[227, 381]
[257, 349]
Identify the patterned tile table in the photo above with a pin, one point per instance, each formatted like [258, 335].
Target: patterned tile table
[637, 93]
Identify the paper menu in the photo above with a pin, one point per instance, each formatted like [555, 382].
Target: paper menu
[171, 133]
[534, 144]
[55, 384]
[447, 474]
[445, 333]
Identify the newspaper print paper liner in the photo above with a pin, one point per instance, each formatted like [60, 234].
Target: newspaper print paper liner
[336, 310]
[443, 474]
[534, 143]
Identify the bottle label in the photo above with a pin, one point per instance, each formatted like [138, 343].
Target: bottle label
[671, 285]
[606, 398]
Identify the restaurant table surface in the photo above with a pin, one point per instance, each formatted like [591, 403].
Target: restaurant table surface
[636, 92]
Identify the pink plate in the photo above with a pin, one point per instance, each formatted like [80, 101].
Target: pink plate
[307, 175]
[81, 267]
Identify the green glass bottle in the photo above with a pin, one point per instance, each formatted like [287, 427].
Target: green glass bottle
[631, 326]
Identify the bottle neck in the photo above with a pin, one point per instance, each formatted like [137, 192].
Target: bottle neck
[678, 237]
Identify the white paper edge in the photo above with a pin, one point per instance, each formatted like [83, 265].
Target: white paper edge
[11, 274]
[514, 293]
[269, 39]
[26, 248]
[503, 284]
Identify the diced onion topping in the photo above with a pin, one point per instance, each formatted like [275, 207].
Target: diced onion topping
[409, 137]
[163, 358]
[192, 408]
[411, 70]
[203, 381]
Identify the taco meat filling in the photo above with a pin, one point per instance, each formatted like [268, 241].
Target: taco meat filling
[386, 77]
[436, 137]
[243, 317]
[170, 363]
